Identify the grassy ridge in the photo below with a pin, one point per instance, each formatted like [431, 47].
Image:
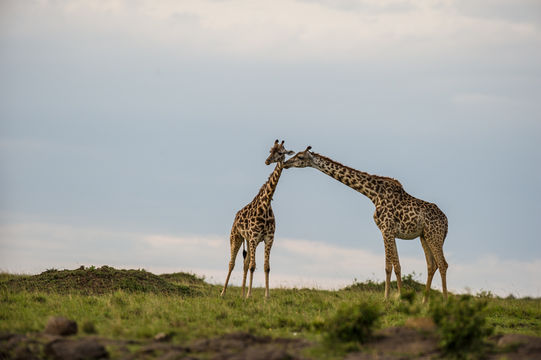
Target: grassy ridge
[138, 305]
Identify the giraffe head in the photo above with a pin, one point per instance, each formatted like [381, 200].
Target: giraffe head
[278, 153]
[302, 159]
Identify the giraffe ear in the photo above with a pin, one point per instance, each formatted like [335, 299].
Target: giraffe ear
[290, 152]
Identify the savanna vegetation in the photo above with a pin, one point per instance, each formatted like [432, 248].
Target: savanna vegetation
[127, 309]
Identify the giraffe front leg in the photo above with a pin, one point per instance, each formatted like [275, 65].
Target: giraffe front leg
[251, 252]
[388, 272]
[268, 246]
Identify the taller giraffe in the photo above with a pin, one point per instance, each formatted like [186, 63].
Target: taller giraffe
[255, 222]
[397, 215]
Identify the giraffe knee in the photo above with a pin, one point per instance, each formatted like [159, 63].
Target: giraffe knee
[267, 268]
[442, 265]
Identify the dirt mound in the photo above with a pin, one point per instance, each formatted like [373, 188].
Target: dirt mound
[94, 281]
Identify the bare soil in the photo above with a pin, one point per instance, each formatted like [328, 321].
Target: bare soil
[392, 343]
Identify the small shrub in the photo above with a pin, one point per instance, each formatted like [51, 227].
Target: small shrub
[352, 323]
[408, 305]
[408, 296]
[408, 283]
[39, 299]
[88, 327]
[462, 326]
[485, 295]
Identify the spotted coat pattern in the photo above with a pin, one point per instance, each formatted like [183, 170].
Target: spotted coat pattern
[397, 215]
[255, 223]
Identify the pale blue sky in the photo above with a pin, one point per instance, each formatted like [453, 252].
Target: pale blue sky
[124, 120]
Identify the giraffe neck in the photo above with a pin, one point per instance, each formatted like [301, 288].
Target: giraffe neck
[359, 181]
[267, 190]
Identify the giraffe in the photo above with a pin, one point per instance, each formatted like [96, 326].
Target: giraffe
[255, 223]
[397, 215]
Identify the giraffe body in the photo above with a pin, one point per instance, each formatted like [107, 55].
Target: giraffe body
[397, 215]
[255, 223]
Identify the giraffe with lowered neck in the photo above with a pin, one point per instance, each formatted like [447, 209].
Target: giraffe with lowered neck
[255, 223]
[397, 215]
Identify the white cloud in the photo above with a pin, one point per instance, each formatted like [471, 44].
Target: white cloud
[35, 247]
[283, 30]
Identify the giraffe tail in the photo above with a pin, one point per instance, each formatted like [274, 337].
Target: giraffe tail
[244, 253]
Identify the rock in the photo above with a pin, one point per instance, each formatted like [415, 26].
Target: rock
[24, 352]
[175, 355]
[58, 325]
[80, 349]
[264, 352]
[421, 323]
[162, 337]
[524, 346]
[513, 340]
[398, 343]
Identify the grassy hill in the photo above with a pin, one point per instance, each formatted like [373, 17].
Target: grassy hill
[138, 305]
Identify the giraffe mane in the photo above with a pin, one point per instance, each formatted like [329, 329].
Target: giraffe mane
[384, 178]
[264, 186]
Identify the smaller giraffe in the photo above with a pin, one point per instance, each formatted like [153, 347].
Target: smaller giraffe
[255, 223]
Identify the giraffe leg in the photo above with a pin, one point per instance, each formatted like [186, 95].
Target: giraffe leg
[388, 241]
[397, 269]
[236, 241]
[245, 270]
[436, 246]
[268, 246]
[431, 267]
[251, 250]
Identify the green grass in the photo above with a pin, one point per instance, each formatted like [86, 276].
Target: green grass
[135, 304]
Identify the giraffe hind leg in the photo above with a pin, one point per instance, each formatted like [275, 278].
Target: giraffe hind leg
[431, 267]
[396, 266]
[389, 243]
[246, 255]
[235, 240]
[435, 243]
